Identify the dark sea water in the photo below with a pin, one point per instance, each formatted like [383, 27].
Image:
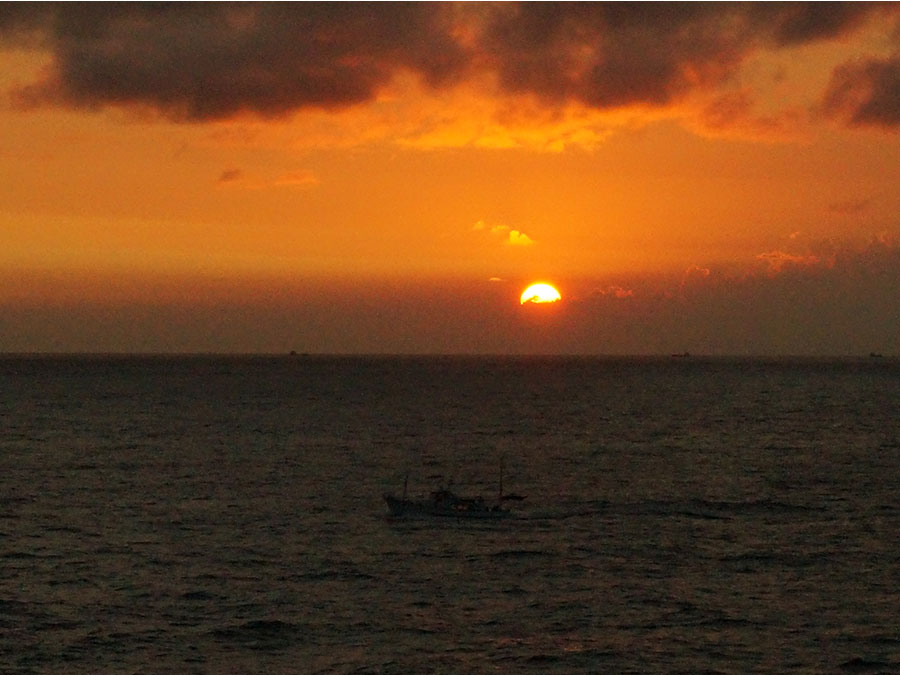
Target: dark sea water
[224, 515]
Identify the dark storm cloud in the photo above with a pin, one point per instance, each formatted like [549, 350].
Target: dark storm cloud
[606, 55]
[209, 61]
[866, 93]
[18, 19]
[800, 22]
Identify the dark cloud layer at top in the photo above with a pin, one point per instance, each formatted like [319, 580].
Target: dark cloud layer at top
[211, 61]
[207, 61]
[607, 55]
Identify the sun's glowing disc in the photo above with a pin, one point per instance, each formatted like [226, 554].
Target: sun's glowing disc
[540, 293]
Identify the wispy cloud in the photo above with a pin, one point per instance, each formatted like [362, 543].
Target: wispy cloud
[694, 275]
[777, 261]
[238, 178]
[230, 176]
[614, 291]
[298, 179]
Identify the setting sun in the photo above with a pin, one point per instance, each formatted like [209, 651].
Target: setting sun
[540, 293]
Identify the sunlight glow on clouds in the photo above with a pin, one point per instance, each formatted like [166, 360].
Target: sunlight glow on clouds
[517, 238]
[778, 260]
[505, 233]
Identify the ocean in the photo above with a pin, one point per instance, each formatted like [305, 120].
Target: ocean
[203, 514]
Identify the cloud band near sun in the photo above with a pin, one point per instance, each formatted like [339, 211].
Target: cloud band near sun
[200, 62]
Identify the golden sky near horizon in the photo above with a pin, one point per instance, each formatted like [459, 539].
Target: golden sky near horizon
[204, 151]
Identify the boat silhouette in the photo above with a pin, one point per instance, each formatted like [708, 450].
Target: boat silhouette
[444, 503]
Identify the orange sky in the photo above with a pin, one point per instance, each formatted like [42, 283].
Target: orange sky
[388, 178]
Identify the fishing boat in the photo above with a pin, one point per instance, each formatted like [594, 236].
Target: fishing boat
[444, 503]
